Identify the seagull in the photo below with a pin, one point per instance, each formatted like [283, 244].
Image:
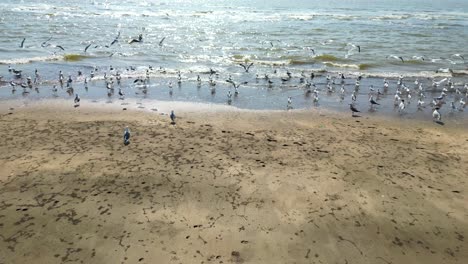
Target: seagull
[353, 96]
[355, 46]
[311, 49]
[173, 117]
[401, 106]
[316, 98]
[353, 109]
[418, 58]
[462, 105]
[372, 102]
[44, 44]
[420, 104]
[161, 41]
[436, 114]
[126, 135]
[121, 94]
[60, 47]
[87, 47]
[452, 104]
[246, 67]
[115, 40]
[459, 56]
[69, 81]
[140, 39]
[22, 43]
[289, 106]
[77, 100]
[396, 57]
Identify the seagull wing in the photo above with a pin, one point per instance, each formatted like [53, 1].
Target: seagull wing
[87, 47]
[161, 41]
[22, 43]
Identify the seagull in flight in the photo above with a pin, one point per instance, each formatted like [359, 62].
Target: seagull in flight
[396, 57]
[44, 44]
[459, 56]
[353, 46]
[115, 40]
[22, 43]
[87, 47]
[246, 67]
[140, 39]
[161, 41]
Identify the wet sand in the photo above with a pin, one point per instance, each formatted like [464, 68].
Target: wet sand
[230, 187]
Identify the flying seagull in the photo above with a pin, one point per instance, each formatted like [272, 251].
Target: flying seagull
[396, 57]
[459, 56]
[140, 39]
[87, 47]
[22, 43]
[161, 41]
[246, 67]
[115, 40]
[44, 44]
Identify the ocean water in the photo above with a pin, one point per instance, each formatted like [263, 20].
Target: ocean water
[277, 36]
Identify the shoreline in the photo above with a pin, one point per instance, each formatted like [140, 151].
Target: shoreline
[230, 187]
[161, 107]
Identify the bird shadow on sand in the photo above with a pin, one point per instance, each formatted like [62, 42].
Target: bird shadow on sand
[173, 123]
[439, 123]
[356, 116]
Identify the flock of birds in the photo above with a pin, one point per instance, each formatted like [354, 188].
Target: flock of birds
[402, 98]
[403, 95]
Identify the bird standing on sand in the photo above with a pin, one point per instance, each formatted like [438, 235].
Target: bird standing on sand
[173, 117]
[127, 136]
[353, 109]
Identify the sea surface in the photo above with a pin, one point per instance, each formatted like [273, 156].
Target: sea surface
[354, 37]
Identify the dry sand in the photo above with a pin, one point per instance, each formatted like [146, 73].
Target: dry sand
[230, 188]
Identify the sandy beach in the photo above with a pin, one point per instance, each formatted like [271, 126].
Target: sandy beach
[230, 187]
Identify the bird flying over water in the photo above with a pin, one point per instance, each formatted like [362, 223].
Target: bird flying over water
[115, 40]
[140, 39]
[161, 41]
[22, 43]
[246, 67]
[396, 57]
[44, 44]
[87, 47]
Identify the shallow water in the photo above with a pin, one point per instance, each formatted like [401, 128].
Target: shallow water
[199, 35]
